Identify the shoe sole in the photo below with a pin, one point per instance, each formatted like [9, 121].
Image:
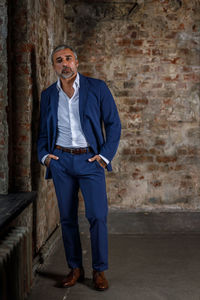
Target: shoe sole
[101, 290]
[80, 279]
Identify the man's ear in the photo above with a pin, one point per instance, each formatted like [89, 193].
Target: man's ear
[77, 63]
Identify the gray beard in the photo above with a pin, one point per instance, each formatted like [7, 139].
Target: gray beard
[65, 76]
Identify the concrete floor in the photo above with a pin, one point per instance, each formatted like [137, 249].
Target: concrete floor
[142, 267]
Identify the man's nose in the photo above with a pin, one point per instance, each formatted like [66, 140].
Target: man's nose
[65, 63]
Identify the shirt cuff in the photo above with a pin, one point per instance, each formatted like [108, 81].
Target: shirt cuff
[43, 159]
[105, 159]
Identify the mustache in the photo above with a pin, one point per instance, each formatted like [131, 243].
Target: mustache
[66, 69]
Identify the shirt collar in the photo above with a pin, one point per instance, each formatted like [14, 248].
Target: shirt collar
[76, 83]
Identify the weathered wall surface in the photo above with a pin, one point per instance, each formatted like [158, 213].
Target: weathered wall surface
[48, 28]
[35, 27]
[148, 53]
[3, 99]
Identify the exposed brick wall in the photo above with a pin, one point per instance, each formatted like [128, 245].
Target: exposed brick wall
[20, 96]
[35, 27]
[3, 99]
[48, 27]
[148, 53]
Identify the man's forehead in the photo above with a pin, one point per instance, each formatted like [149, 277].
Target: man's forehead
[64, 52]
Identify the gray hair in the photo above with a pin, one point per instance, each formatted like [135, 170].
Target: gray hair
[61, 47]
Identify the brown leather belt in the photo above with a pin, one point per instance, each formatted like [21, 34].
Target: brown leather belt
[74, 150]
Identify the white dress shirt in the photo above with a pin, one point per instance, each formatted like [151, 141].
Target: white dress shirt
[69, 131]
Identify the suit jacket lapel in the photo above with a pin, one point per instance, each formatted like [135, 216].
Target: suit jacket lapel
[83, 92]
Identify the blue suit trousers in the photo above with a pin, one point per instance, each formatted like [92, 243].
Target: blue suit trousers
[71, 172]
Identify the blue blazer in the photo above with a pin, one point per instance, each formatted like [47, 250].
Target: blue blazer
[96, 107]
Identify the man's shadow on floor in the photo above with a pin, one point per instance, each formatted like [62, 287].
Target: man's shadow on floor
[59, 277]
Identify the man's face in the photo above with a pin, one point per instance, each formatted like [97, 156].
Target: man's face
[65, 64]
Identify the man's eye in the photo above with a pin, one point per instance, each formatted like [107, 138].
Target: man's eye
[59, 61]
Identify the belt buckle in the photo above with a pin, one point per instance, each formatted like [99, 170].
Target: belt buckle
[71, 151]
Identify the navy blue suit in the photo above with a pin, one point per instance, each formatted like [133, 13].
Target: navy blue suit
[71, 171]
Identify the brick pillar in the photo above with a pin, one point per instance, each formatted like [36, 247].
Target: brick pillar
[20, 93]
[3, 99]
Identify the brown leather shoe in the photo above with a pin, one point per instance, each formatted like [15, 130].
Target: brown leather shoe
[74, 275]
[100, 282]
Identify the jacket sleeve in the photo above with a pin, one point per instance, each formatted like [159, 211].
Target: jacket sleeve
[111, 121]
[42, 143]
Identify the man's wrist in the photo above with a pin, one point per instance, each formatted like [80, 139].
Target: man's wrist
[47, 161]
[102, 162]
[43, 158]
[105, 159]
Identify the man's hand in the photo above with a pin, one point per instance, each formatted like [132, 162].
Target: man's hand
[48, 159]
[99, 159]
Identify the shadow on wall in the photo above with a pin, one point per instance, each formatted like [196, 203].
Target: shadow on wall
[86, 15]
[35, 166]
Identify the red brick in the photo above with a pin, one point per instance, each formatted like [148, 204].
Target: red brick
[135, 109]
[142, 101]
[166, 159]
[134, 34]
[23, 69]
[156, 183]
[168, 78]
[191, 77]
[167, 101]
[179, 167]
[175, 60]
[119, 75]
[145, 68]
[140, 151]
[138, 42]
[141, 159]
[139, 142]
[181, 26]
[25, 48]
[135, 175]
[172, 17]
[129, 101]
[160, 142]
[171, 35]
[124, 42]
[128, 151]
[151, 43]
[152, 167]
[133, 52]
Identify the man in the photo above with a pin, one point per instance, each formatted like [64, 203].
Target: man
[71, 144]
